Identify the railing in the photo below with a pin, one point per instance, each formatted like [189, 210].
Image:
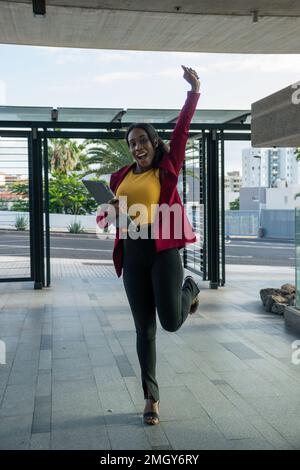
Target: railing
[15, 259]
[194, 251]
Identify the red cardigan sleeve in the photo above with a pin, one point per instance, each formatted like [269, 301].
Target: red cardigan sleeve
[181, 131]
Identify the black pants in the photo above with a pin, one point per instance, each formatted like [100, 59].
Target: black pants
[153, 281]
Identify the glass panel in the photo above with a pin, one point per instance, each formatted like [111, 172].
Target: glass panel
[87, 114]
[151, 115]
[297, 247]
[24, 113]
[35, 114]
[206, 116]
[216, 116]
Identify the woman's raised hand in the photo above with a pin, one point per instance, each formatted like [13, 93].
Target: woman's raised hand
[192, 78]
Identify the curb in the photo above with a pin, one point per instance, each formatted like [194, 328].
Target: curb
[109, 236]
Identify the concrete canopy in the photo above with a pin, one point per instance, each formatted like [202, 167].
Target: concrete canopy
[159, 25]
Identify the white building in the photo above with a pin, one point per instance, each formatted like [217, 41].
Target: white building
[232, 186]
[283, 197]
[268, 167]
[233, 181]
[252, 175]
[291, 167]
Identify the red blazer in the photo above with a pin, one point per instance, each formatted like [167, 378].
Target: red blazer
[169, 168]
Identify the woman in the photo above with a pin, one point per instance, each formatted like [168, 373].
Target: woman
[152, 267]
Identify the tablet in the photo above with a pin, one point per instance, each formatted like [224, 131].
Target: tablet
[99, 190]
[102, 194]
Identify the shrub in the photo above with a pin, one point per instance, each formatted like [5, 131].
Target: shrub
[235, 205]
[75, 227]
[21, 222]
[21, 205]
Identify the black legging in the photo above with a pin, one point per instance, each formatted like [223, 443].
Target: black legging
[153, 280]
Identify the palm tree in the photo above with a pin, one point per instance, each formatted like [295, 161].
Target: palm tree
[66, 155]
[110, 155]
[106, 156]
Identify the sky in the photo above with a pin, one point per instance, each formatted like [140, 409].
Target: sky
[65, 77]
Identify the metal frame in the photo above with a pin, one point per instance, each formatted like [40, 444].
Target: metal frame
[211, 197]
[116, 125]
[221, 176]
[37, 210]
[202, 198]
[46, 210]
[184, 255]
[211, 172]
[26, 135]
[213, 209]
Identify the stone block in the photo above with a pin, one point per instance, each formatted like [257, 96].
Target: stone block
[292, 318]
[276, 119]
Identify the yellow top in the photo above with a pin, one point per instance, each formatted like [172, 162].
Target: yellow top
[143, 193]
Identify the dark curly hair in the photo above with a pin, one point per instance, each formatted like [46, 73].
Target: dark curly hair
[153, 136]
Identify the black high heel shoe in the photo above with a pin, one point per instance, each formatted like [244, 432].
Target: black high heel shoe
[195, 302]
[151, 417]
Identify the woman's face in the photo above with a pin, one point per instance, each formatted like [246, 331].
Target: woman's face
[141, 148]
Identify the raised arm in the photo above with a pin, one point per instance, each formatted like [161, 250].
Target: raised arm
[181, 131]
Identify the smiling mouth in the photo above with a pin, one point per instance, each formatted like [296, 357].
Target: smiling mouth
[141, 157]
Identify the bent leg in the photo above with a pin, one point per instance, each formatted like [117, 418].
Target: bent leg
[173, 301]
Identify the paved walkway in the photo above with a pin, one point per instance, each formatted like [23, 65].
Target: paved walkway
[72, 378]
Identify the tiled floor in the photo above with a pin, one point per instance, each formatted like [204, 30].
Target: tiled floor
[72, 378]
